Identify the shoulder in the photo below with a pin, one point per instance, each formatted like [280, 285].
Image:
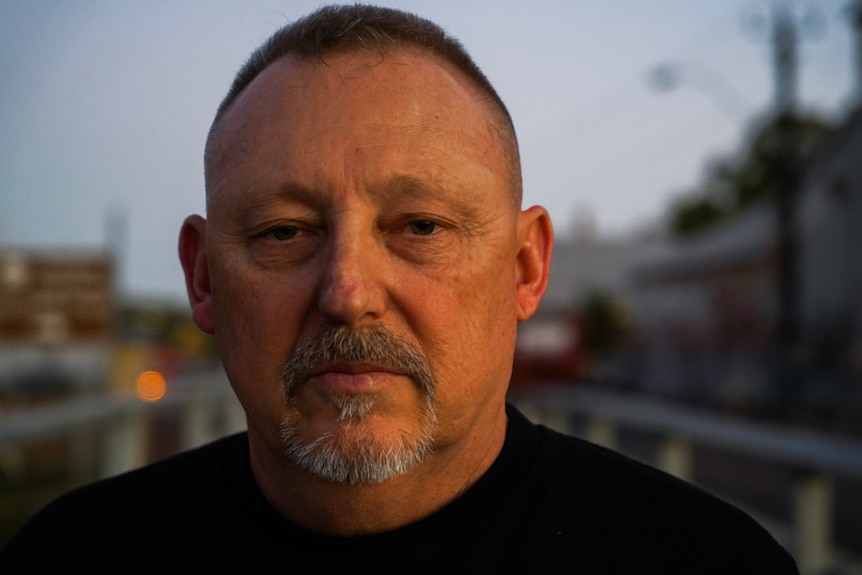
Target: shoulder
[169, 480]
[621, 504]
[608, 475]
[129, 509]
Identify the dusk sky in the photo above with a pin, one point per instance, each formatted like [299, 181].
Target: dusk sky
[104, 105]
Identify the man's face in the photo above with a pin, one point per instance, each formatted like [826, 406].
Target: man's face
[366, 195]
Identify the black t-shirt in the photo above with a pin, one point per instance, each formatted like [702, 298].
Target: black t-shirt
[550, 503]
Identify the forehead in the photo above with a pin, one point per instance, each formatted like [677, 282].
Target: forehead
[351, 107]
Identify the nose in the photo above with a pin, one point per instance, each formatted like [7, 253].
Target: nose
[351, 290]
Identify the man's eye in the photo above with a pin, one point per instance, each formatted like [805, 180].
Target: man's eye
[284, 233]
[423, 227]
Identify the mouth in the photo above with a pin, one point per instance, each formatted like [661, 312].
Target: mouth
[350, 377]
[351, 368]
[339, 359]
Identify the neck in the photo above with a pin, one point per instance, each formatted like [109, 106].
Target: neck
[332, 508]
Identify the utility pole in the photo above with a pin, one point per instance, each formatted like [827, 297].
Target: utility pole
[854, 12]
[785, 62]
[785, 29]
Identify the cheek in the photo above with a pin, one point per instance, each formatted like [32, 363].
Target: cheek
[256, 328]
[256, 321]
[467, 325]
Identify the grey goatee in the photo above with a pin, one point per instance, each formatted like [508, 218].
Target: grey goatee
[356, 455]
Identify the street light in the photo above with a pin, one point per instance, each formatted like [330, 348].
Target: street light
[671, 75]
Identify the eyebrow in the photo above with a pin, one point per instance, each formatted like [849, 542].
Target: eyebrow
[397, 186]
[289, 191]
[300, 193]
[420, 189]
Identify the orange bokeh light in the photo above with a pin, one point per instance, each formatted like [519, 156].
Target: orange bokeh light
[150, 386]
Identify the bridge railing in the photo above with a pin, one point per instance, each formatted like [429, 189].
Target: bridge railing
[816, 459]
[204, 399]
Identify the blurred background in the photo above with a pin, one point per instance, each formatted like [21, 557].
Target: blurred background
[702, 162]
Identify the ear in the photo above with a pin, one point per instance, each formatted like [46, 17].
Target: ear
[536, 241]
[192, 248]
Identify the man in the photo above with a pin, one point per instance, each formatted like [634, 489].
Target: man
[363, 266]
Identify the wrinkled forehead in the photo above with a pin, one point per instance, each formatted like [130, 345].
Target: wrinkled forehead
[395, 88]
[404, 90]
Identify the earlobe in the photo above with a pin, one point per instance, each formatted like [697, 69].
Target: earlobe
[192, 251]
[536, 240]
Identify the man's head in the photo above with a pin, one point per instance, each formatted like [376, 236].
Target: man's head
[365, 261]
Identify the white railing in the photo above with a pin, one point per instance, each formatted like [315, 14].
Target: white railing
[816, 459]
[208, 405]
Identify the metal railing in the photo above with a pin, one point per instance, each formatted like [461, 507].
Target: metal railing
[207, 403]
[816, 459]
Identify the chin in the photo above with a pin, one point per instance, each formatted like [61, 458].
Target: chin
[359, 446]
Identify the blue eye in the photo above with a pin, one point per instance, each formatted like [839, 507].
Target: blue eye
[423, 227]
[284, 233]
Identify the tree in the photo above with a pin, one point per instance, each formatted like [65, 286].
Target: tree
[603, 322]
[735, 183]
